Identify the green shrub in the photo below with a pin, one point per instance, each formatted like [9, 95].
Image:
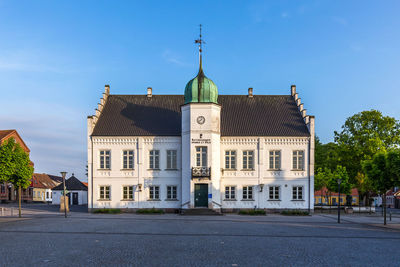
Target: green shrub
[150, 211]
[108, 211]
[294, 212]
[252, 212]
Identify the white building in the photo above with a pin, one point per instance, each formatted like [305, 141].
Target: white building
[201, 149]
[77, 192]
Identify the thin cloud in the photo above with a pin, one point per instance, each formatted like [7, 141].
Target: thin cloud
[171, 57]
[340, 20]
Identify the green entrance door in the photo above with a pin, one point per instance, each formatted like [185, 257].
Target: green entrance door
[201, 195]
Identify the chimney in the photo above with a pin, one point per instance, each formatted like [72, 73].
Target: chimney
[107, 89]
[303, 113]
[301, 107]
[293, 90]
[298, 101]
[149, 92]
[250, 92]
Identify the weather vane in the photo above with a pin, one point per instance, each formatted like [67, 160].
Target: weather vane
[200, 41]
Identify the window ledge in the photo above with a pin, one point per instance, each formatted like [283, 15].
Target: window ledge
[171, 199]
[230, 199]
[104, 200]
[274, 200]
[154, 200]
[247, 200]
[104, 169]
[128, 169]
[297, 200]
[171, 169]
[297, 170]
[274, 170]
[127, 200]
[154, 169]
[230, 170]
[247, 170]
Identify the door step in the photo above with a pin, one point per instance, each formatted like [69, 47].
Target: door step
[199, 211]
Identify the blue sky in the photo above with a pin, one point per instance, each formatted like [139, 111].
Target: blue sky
[56, 57]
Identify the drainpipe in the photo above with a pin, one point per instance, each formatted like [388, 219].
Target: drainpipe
[309, 176]
[91, 141]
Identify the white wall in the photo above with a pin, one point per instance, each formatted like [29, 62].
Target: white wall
[141, 175]
[82, 197]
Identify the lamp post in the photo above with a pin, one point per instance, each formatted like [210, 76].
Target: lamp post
[339, 181]
[65, 201]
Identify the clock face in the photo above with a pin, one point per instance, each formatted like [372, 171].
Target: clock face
[200, 119]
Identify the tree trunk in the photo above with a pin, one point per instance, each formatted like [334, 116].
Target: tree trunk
[19, 200]
[384, 209]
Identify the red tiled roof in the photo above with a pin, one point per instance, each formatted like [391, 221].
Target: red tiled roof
[4, 133]
[323, 191]
[42, 180]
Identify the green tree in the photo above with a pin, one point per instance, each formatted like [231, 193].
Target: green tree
[18, 170]
[326, 155]
[339, 173]
[6, 164]
[383, 171]
[362, 136]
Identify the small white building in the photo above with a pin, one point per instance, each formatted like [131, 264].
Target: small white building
[201, 150]
[77, 192]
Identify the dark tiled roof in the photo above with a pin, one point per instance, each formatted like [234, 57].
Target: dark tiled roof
[160, 115]
[72, 183]
[58, 179]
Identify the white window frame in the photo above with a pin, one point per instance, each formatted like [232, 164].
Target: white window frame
[201, 156]
[154, 159]
[275, 195]
[128, 159]
[130, 191]
[152, 192]
[172, 159]
[298, 160]
[248, 159]
[230, 192]
[295, 192]
[105, 155]
[247, 194]
[104, 187]
[230, 159]
[275, 157]
[170, 192]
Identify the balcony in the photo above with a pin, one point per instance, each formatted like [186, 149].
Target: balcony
[201, 172]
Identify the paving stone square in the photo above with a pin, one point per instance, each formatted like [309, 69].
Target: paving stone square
[43, 237]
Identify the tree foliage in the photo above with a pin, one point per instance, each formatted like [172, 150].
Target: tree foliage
[326, 155]
[383, 170]
[363, 135]
[15, 164]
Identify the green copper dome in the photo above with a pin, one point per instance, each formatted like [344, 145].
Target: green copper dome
[201, 89]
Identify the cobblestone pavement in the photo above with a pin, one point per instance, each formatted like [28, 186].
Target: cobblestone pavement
[83, 239]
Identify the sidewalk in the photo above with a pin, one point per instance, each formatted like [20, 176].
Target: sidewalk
[372, 220]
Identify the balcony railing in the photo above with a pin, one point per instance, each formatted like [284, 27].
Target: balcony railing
[198, 172]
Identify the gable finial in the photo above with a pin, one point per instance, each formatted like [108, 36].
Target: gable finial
[200, 41]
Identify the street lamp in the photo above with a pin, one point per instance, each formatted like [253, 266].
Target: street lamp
[65, 201]
[339, 181]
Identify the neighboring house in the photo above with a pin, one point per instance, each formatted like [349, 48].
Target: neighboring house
[323, 197]
[76, 192]
[7, 191]
[201, 150]
[42, 187]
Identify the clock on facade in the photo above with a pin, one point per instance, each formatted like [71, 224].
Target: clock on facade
[200, 119]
